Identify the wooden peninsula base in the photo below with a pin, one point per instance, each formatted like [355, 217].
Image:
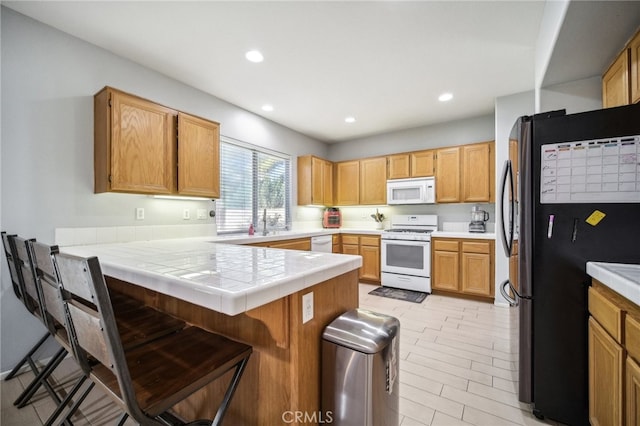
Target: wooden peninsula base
[282, 378]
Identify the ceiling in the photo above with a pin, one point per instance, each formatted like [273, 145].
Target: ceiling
[384, 62]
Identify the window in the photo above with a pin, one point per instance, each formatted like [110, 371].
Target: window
[252, 181]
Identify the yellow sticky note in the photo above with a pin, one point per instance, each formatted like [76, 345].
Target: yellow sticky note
[595, 217]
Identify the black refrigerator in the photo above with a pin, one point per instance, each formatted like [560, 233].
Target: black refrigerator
[570, 194]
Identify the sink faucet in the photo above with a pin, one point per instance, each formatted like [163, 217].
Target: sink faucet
[264, 223]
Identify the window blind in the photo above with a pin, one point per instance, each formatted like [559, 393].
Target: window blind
[252, 182]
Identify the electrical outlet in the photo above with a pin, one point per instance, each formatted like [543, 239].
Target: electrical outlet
[201, 214]
[139, 213]
[186, 214]
[307, 307]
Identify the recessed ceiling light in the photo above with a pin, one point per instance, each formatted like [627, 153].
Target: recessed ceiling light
[350, 120]
[267, 107]
[445, 97]
[254, 56]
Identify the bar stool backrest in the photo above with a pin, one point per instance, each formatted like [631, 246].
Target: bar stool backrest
[16, 279]
[32, 293]
[47, 280]
[91, 323]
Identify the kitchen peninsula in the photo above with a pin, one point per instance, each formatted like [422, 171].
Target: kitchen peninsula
[252, 294]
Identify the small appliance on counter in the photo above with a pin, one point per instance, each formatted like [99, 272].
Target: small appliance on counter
[479, 220]
[332, 218]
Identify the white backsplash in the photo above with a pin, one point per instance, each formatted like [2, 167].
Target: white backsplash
[463, 227]
[124, 234]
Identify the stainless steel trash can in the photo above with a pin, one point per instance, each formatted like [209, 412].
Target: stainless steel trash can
[360, 369]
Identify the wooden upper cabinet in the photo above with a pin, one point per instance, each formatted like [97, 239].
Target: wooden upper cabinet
[422, 163]
[373, 181]
[399, 166]
[198, 157]
[315, 181]
[634, 50]
[327, 182]
[137, 148]
[448, 175]
[615, 82]
[134, 144]
[477, 179]
[347, 185]
[412, 164]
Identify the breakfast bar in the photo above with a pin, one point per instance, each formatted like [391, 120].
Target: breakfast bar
[251, 294]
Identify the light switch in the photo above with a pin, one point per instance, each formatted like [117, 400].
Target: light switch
[186, 215]
[201, 214]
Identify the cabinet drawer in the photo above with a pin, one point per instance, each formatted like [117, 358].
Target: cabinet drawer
[476, 247]
[350, 239]
[632, 337]
[606, 313]
[445, 245]
[369, 241]
[335, 239]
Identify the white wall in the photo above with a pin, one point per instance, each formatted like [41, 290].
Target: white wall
[48, 82]
[459, 132]
[574, 96]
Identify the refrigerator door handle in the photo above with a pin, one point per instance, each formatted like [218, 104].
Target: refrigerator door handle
[508, 243]
[513, 301]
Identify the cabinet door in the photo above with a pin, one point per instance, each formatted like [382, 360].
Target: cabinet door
[634, 48]
[297, 244]
[422, 163]
[317, 181]
[327, 183]
[476, 170]
[615, 82]
[476, 273]
[606, 358]
[633, 392]
[444, 272]
[399, 166]
[143, 146]
[347, 175]
[373, 181]
[448, 175]
[370, 263]
[198, 157]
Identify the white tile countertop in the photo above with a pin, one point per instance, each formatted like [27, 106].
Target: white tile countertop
[227, 278]
[622, 278]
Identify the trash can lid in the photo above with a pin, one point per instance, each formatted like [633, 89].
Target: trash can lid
[362, 330]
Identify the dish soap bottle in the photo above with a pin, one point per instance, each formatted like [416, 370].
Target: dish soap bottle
[251, 230]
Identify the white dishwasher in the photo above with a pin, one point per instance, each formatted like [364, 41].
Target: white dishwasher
[322, 243]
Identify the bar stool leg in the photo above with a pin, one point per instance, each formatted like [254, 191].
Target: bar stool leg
[41, 379]
[27, 358]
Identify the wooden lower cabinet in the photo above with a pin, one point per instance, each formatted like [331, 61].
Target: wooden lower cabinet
[633, 392]
[463, 266]
[606, 364]
[445, 265]
[614, 358]
[296, 244]
[367, 246]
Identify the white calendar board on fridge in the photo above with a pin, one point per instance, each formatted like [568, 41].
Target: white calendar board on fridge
[598, 170]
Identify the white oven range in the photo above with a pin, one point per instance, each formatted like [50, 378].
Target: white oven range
[406, 252]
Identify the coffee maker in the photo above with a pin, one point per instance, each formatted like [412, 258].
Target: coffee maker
[478, 220]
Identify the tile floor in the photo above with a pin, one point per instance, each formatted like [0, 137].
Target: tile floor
[457, 368]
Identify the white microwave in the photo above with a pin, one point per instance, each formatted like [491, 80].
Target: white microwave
[411, 191]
